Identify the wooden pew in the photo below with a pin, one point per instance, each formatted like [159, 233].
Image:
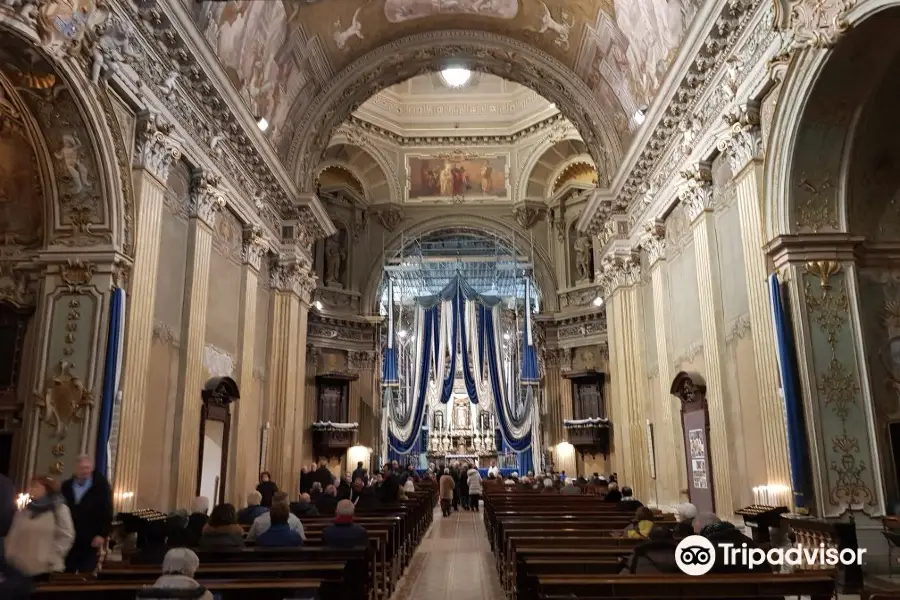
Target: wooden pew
[228, 589]
[818, 586]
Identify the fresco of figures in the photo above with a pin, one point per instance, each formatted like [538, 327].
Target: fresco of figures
[457, 178]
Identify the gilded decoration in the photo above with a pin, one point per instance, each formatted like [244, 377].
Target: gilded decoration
[838, 387]
[64, 401]
[76, 274]
[816, 204]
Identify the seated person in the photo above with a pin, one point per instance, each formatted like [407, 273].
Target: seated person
[344, 533]
[655, 556]
[222, 530]
[315, 491]
[178, 567]
[279, 534]
[264, 521]
[628, 502]
[642, 524]
[304, 507]
[197, 519]
[327, 501]
[722, 532]
[247, 515]
[613, 494]
[685, 513]
[570, 488]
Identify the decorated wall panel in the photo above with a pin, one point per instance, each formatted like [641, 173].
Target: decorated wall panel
[223, 304]
[687, 334]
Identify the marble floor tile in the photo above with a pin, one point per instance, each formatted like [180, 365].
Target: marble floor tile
[453, 562]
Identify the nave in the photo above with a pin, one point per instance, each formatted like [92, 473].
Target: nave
[454, 562]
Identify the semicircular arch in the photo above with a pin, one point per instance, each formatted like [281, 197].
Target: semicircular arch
[387, 170]
[543, 272]
[421, 53]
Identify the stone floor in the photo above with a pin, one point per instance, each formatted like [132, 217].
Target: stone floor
[453, 562]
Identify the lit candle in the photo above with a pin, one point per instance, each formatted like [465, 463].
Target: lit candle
[22, 501]
[755, 495]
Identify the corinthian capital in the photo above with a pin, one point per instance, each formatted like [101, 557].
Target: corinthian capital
[293, 277]
[154, 148]
[255, 246]
[742, 142]
[206, 198]
[619, 270]
[654, 240]
[695, 191]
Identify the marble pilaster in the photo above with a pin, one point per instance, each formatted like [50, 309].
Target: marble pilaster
[671, 469]
[696, 194]
[845, 467]
[154, 153]
[292, 284]
[243, 474]
[363, 364]
[743, 149]
[621, 275]
[72, 317]
[205, 202]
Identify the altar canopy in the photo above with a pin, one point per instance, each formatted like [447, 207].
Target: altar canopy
[460, 324]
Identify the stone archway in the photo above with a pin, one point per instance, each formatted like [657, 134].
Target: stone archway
[831, 185]
[543, 273]
[427, 52]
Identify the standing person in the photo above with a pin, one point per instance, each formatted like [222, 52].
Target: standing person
[359, 472]
[323, 475]
[454, 473]
[305, 481]
[462, 484]
[446, 489]
[474, 483]
[38, 540]
[266, 488]
[7, 505]
[89, 499]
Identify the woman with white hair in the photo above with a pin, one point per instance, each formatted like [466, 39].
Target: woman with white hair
[685, 513]
[247, 515]
[179, 567]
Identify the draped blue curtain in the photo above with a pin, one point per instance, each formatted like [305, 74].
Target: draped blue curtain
[525, 462]
[111, 372]
[447, 389]
[520, 444]
[390, 376]
[468, 379]
[796, 430]
[405, 446]
[529, 374]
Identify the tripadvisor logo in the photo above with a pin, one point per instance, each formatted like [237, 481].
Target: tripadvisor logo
[696, 555]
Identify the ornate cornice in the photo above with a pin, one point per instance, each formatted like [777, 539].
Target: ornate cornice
[206, 199]
[654, 240]
[254, 246]
[812, 23]
[154, 148]
[742, 142]
[681, 110]
[695, 191]
[355, 126]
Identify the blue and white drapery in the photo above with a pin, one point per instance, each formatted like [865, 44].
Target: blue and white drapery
[461, 324]
[793, 406]
[389, 374]
[111, 375]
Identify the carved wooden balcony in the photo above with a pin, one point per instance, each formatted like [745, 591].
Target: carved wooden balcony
[589, 436]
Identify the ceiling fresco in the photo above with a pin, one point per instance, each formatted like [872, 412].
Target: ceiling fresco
[279, 54]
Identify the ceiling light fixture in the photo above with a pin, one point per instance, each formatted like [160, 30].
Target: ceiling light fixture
[640, 115]
[262, 123]
[456, 76]
[598, 301]
[318, 305]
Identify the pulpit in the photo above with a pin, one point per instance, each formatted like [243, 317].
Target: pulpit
[589, 431]
[332, 434]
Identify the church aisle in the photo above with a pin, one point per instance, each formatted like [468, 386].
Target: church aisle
[454, 562]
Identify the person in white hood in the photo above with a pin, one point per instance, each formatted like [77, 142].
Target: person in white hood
[474, 481]
[179, 567]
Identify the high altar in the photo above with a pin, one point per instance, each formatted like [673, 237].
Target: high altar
[468, 434]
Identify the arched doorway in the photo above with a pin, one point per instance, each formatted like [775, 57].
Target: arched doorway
[215, 432]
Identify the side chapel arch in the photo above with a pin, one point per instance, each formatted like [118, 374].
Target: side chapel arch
[427, 52]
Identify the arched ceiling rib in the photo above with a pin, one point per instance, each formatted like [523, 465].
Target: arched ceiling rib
[540, 182]
[306, 65]
[362, 165]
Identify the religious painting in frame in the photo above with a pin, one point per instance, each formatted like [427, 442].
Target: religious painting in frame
[457, 177]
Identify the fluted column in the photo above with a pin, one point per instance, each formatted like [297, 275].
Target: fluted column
[312, 365]
[743, 148]
[291, 283]
[153, 155]
[671, 470]
[205, 203]
[696, 194]
[242, 462]
[621, 275]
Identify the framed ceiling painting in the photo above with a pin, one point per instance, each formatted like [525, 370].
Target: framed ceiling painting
[460, 177]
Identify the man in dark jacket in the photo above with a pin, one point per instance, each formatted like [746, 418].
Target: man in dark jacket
[89, 498]
[306, 480]
[304, 507]
[327, 501]
[359, 472]
[323, 475]
[345, 533]
[7, 505]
